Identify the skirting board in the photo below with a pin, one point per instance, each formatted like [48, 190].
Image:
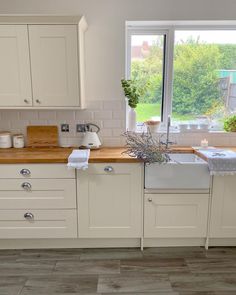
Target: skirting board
[110, 243]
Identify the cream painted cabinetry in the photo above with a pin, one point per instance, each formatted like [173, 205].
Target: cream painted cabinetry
[42, 62]
[110, 201]
[37, 201]
[182, 215]
[223, 212]
[15, 85]
[54, 64]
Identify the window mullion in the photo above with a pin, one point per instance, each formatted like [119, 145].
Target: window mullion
[168, 90]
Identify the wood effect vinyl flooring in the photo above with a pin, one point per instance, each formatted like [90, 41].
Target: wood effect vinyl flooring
[160, 271]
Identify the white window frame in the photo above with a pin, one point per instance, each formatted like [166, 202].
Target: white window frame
[168, 28]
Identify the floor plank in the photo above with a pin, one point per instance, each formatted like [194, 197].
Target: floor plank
[159, 271]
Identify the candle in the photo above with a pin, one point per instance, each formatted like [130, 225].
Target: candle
[204, 143]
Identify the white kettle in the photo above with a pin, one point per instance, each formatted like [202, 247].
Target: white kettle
[91, 139]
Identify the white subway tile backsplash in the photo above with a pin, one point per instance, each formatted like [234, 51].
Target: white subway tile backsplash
[83, 115]
[112, 142]
[112, 123]
[117, 132]
[9, 115]
[118, 114]
[105, 132]
[96, 122]
[5, 126]
[28, 115]
[38, 122]
[103, 115]
[47, 114]
[95, 105]
[113, 105]
[65, 115]
[108, 115]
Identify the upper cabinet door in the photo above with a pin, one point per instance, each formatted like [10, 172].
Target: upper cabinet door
[54, 65]
[15, 81]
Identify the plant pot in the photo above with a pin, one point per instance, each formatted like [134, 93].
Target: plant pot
[132, 120]
[153, 126]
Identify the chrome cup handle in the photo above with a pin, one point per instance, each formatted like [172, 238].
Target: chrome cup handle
[28, 216]
[108, 169]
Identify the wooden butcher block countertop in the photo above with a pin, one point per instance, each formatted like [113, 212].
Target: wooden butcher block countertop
[60, 155]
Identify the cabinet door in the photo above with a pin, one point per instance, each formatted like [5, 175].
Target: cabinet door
[223, 215]
[15, 85]
[54, 63]
[175, 215]
[110, 203]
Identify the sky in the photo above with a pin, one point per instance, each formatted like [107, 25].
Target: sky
[218, 37]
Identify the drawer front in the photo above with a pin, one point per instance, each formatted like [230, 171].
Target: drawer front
[43, 224]
[26, 171]
[112, 168]
[37, 193]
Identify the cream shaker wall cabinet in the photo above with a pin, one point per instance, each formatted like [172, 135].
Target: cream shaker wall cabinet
[15, 85]
[42, 62]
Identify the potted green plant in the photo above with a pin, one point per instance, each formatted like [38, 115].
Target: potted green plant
[132, 92]
[230, 124]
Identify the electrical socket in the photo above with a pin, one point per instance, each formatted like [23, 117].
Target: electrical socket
[65, 127]
[81, 127]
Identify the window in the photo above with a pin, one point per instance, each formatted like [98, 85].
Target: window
[188, 72]
[147, 68]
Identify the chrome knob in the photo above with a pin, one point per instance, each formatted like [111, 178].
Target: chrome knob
[25, 172]
[150, 200]
[29, 216]
[38, 101]
[26, 101]
[26, 186]
[108, 169]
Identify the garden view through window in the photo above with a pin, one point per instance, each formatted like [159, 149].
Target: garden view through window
[147, 62]
[204, 74]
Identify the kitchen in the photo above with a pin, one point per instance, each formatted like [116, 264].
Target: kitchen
[117, 225]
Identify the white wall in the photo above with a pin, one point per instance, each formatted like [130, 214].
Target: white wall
[105, 60]
[105, 39]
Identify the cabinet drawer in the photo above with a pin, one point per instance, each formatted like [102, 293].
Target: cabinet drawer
[175, 215]
[112, 168]
[25, 171]
[44, 224]
[38, 193]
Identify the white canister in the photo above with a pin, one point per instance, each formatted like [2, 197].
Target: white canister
[18, 141]
[5, 140]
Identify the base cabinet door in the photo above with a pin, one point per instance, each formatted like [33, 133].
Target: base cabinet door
[110, 201]
[175, 215]
[223, 213]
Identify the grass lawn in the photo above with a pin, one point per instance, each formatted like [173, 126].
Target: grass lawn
[145, 111]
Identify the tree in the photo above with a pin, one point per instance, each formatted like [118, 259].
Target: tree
[195, 78]
[149, 72]
[196, 75]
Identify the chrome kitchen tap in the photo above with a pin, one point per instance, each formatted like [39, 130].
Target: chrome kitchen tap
[168, 133]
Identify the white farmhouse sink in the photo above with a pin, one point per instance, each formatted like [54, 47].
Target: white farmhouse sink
[184, 171]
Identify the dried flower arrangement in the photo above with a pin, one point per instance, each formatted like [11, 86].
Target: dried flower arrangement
[144, 146]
